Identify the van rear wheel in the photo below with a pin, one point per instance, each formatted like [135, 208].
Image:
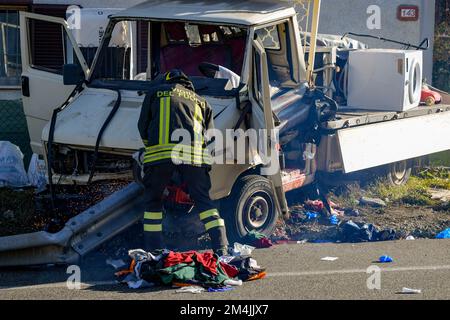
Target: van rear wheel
[398, 173]
[251, 206]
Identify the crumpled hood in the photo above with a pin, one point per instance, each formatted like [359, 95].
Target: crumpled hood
[80, 122]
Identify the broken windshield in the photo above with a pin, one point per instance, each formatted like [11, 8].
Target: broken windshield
[158, 47]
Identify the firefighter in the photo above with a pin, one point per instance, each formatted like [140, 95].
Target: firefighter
[170, 106]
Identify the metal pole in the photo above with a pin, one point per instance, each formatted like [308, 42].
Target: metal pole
[312, 45]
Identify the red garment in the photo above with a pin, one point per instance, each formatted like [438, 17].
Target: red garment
[207, 259]
[231, 271]
[315, 205]
[263, 243]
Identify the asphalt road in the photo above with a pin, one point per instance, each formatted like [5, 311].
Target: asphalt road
[294, 272]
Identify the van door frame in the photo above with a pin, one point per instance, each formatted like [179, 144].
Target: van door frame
[38, 104]
[266, 106]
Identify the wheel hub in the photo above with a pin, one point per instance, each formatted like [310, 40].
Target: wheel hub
[257, 212]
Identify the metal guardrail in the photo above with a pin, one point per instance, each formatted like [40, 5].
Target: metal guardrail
[80, 235]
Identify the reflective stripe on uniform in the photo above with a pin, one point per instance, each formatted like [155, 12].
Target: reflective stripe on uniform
[164, 120]
[215, 224]
[184, 153]
[153, 215]
[153, 227]
[198, 128]
[210, 213]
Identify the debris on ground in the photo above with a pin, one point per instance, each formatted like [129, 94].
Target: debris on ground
[410, 211]
[242, 250]
[385, 259]
[191, 289]
[334, 220]
[37, 173]
[257, 240]
[373, 202]
[441, 195]
[444, 234]
[353, 232]
[188, 271]
[314, 205]
[329, 258]
[12, 170]
[116, 264]
[411, 291]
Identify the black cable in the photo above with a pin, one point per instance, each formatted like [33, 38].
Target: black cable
[408, 45]
[102, 131]
[51, 135]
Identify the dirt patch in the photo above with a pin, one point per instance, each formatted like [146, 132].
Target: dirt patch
[420, 209]
[23, 211]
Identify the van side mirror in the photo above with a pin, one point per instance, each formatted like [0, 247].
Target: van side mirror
[73, 74]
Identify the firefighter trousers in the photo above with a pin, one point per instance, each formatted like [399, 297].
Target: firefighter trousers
[198, 181]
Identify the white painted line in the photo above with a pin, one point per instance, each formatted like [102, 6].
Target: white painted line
[347, 271]
[272, 275]
[60, 285]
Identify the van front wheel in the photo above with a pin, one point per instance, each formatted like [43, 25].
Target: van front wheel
[251, 206]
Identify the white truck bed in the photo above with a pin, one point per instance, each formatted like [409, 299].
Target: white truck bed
[370, 139]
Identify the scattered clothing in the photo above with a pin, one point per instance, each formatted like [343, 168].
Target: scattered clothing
[314, 205]
[257, 240]
[334, 220]
[242, 250]
[231, 271]
[207, 260]
[223, 289]
[311, 215]
[248, 268]
[258, 276]
[352, 232]
[188, 270]
[140, 284]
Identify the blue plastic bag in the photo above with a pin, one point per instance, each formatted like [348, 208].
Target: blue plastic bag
[444, 234]
[385, 259]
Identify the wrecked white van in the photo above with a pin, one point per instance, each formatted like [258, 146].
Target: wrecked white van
[84, 116]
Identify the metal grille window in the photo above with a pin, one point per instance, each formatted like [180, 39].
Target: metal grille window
[10, 61]
[269, 37]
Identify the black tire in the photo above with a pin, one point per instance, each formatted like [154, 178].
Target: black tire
[398, 173]
[251, 206]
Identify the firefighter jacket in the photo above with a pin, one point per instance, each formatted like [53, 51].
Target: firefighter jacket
[166, 109]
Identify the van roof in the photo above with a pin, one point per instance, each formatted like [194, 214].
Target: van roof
[235, 12]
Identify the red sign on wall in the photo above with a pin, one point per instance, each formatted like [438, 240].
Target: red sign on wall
[408, 13]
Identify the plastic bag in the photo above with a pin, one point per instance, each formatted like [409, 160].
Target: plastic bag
[12, 170]
[37, 173]
[242, 250]
[444, 234]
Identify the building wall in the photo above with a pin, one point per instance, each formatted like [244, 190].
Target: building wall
[338, 17]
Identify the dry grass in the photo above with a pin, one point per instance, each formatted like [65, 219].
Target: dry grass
[414, 192]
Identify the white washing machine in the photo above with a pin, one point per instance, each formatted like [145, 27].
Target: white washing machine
[384, 79]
